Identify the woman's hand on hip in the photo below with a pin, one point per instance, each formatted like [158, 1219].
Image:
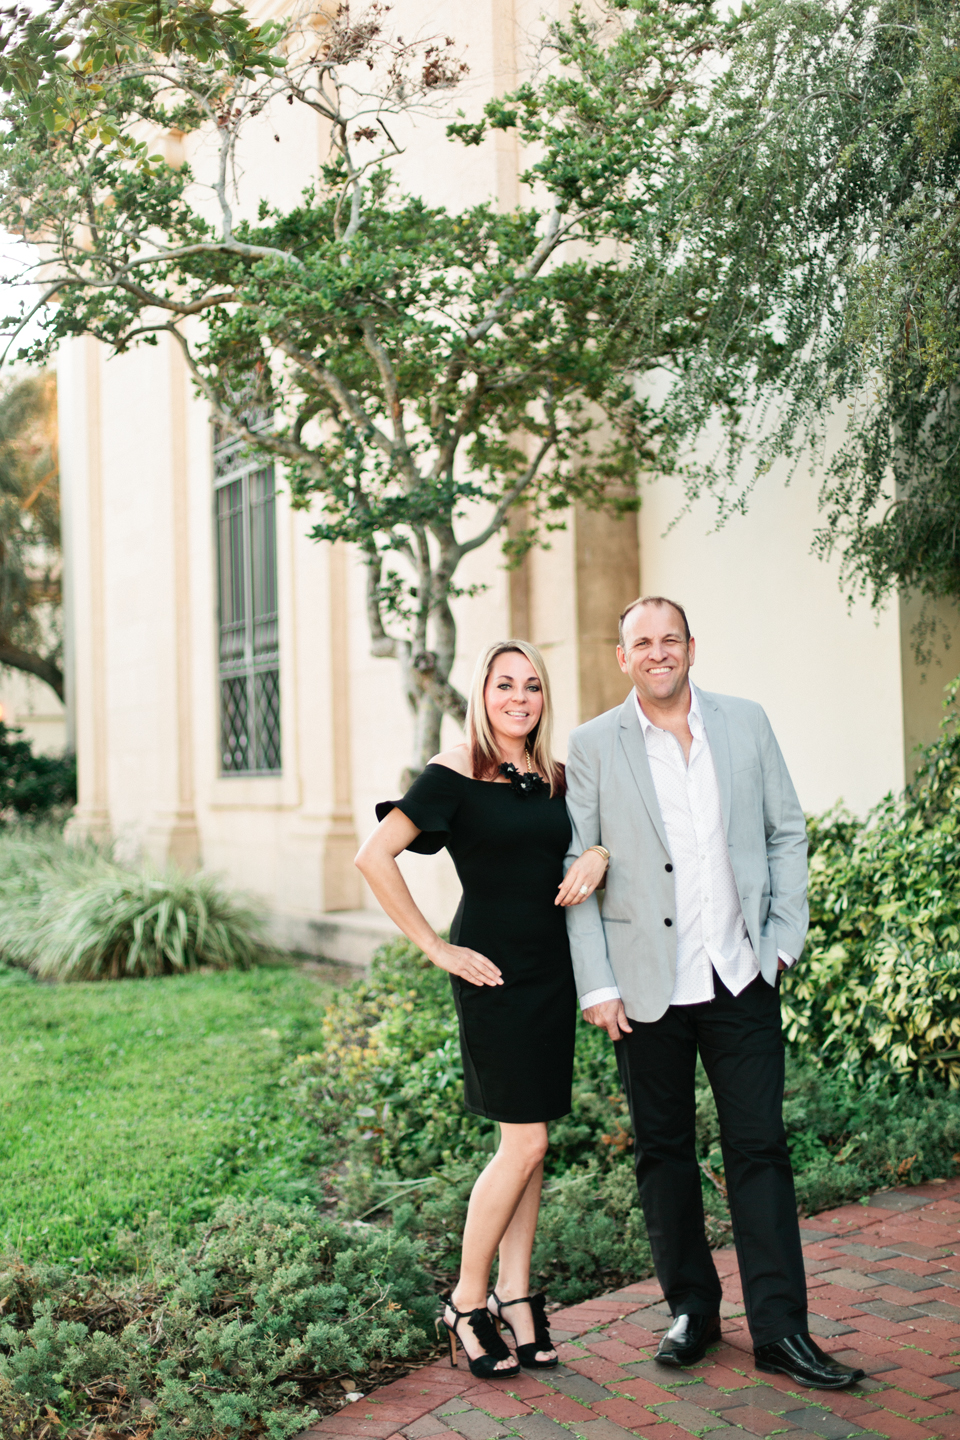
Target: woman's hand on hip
[581, 879]
[468, 964]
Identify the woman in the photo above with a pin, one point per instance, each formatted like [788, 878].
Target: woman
[496, 802]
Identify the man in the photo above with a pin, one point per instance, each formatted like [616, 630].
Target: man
[705, 904]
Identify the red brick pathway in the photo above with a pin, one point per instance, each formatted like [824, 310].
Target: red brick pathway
[884, 1280]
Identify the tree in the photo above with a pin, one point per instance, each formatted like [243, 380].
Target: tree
[30, 592]
[812, 223]
[419, 373]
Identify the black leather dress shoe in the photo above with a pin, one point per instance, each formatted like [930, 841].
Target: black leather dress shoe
[798, 1357]
[687, 1339]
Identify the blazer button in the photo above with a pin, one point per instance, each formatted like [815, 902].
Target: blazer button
[668, 868]
[668, 921]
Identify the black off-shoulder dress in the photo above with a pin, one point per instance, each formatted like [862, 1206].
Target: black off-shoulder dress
[516, 1038]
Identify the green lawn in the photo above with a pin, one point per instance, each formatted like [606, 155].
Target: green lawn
[124, 1099]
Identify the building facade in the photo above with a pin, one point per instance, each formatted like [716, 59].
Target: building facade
[227, 710]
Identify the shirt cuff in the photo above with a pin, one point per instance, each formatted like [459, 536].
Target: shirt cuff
[788, 960]
[597, 997]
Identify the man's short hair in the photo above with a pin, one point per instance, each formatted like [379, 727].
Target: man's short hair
[654, 600]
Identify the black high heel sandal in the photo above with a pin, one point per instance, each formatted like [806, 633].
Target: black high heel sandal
[484, 1367]
[527, 1354]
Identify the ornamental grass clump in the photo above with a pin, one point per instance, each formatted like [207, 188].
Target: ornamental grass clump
[118, 925]
[71, 913]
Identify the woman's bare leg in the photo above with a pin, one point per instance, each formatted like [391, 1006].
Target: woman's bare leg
[496, 1196]
[516, 1247]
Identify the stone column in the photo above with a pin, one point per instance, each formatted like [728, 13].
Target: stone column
[174, 837]
[342, 887]
[82, 483]
[607, 578]
[504, 32]
[520, 584]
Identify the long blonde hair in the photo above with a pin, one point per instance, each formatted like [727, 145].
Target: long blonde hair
[485, 756]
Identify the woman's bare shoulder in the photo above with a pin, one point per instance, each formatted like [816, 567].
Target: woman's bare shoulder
[457, 758]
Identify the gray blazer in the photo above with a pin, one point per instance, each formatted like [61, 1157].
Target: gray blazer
[612, 801]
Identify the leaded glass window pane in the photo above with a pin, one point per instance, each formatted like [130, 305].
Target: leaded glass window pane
[245, 525]
[234, 730]
[266, 729]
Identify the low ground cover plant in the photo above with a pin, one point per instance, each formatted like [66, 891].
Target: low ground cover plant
[71, 913]
[152, 1177]
[242, 1333]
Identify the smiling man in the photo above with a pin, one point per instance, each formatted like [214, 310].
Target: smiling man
[705, 904]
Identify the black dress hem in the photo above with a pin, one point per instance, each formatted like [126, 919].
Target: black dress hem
[514, 1120]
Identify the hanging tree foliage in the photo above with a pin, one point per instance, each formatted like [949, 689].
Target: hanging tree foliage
[425, 370]
[813, 225]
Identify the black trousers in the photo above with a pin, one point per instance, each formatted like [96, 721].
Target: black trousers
[740, 1041]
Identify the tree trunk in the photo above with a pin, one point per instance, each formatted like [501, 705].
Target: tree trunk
[425, 672]
[427, 722]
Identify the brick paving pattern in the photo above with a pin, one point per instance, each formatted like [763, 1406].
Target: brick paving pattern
[884, 1283]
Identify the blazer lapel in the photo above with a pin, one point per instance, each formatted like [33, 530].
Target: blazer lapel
[634, 747]
[715, 726]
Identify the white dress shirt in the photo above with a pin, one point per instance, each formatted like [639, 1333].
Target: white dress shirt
[711, 931]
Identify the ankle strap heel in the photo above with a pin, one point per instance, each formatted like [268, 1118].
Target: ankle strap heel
[480, 1321]
[527, 1354]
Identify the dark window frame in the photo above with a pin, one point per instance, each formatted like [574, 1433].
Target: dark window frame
[245, 534]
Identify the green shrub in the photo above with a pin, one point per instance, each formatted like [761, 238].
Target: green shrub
[848, 1140]
[70, 913]
[387, 1082]
[120, 925]
[386, 1089]
[878, 991]
[33, 785]
[591, 1234]
[245, 1334]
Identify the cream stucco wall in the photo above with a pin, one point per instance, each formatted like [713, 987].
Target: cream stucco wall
[136, 454]
[772, 624]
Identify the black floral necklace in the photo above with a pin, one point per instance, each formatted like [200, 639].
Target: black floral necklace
[529, 784]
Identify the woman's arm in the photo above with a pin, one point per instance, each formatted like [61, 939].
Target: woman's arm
[377, 862]
[583, 877]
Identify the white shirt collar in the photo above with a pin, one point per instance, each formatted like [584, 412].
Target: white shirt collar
[694, 719]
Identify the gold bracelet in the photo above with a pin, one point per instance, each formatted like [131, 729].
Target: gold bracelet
[601, 850]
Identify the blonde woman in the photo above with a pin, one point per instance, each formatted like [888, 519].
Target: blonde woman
[496, 802]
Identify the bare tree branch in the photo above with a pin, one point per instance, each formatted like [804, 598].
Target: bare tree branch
[30, 664]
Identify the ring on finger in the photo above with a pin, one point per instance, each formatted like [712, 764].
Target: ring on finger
[584, 889]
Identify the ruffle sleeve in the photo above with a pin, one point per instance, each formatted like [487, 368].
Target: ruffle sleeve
[431, 803]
